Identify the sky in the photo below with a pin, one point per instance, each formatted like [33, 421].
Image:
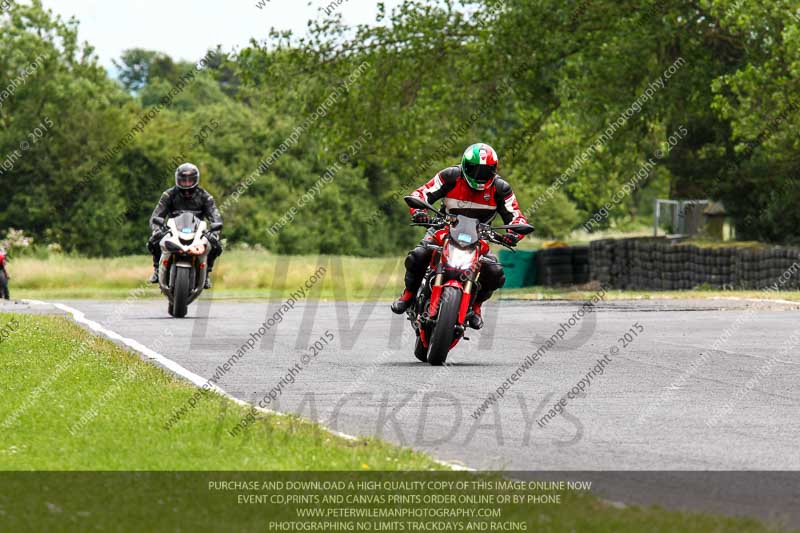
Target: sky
[185, 29]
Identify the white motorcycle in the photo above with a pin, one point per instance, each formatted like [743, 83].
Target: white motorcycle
[183, 267]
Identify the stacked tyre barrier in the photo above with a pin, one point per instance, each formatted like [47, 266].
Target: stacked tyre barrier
[580, 265]
[657, 264]
[563, 266]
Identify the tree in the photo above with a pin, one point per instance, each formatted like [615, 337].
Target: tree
[139, 68]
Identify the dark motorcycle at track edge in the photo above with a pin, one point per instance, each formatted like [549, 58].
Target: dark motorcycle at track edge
[4, 294]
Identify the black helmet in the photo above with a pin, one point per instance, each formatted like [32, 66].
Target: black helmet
[187, 178]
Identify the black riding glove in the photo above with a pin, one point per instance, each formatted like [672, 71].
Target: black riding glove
[510, 239]
[421, 217]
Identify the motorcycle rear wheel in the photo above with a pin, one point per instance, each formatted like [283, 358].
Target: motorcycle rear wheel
[180, 292]
[445, 328]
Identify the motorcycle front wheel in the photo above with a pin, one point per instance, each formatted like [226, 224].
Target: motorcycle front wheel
[420, 351]
[445, 328]
[180, 292]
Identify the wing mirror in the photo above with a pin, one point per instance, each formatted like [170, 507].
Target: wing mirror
[416, 203]
[522, 229]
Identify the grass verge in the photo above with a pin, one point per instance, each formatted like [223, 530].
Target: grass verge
[254, 274]
[584, 294]
[73, 401]
[76, 402]
[238, 274]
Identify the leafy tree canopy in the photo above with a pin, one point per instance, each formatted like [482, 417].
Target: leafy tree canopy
[580, 94]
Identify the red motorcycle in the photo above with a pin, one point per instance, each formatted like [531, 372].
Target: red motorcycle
[450, 285]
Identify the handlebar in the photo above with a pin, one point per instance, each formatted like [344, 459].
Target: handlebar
[494, 237]
[487, 231]
[437, 222]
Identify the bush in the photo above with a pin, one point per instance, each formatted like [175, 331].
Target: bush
[16, 242]
[555, 218]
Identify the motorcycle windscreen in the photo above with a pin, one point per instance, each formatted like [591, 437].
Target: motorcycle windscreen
[187, 224]
[464, 231]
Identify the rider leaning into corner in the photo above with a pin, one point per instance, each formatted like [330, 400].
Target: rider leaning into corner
[187, 195]
[475, 190]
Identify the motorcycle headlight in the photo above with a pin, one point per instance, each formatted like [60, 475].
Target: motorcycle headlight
[460, 258]
[172, 246]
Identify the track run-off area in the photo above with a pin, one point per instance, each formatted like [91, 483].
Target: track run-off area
[678, 387]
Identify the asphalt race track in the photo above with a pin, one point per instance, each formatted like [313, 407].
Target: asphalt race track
[666, 401]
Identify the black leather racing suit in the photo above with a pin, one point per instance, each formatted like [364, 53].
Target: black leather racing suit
[201, 204]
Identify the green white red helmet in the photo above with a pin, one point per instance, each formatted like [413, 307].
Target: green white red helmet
[479, 166]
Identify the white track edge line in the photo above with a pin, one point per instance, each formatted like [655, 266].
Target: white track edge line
[766, 300]
[199, 381]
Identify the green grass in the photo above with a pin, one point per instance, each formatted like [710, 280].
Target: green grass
[238, 274]
[254, 274]
[712, 243]
[54, 373]
[134, 400]
[584, 293]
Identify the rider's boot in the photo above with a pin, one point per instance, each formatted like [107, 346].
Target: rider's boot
[154, 277]
[207, 284]
[474, 319]
[402, 304]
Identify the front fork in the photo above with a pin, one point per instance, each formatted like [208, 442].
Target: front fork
[466, 299]
[164, 264]
[468, 285]
[436, 288]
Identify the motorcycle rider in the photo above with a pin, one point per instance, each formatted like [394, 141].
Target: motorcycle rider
[187, 195]
[475, 190]
[4, 294]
